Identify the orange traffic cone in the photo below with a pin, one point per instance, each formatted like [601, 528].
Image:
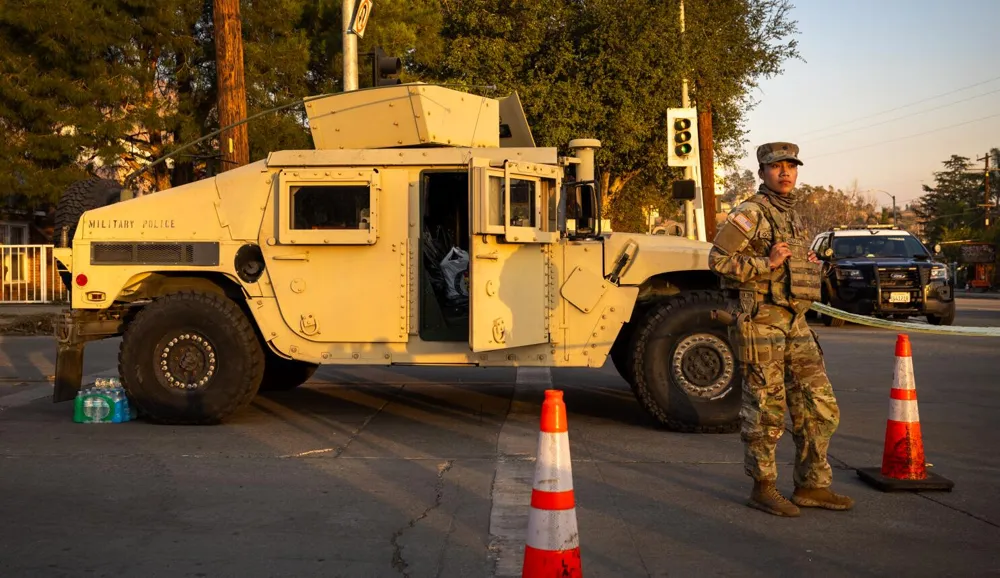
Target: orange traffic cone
[903, 464]
[553, 543]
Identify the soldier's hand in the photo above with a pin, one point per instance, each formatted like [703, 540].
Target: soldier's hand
[813, 258]
[779, 253]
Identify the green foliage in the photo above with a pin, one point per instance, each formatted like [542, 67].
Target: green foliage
[610, 69]
[738, 186]
[953, 202]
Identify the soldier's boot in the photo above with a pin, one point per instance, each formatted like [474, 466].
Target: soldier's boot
[821, 498]
[767, 498]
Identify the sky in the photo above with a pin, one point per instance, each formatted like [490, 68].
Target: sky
[863, 58]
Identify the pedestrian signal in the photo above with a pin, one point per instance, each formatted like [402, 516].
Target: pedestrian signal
[683, 127]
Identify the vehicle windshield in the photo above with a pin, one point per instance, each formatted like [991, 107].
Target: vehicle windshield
[874, 246]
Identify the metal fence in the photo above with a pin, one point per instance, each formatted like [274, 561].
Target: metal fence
[30, 275]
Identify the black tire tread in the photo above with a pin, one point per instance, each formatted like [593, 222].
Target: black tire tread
[78, 198]
[239, 325]
[643, 331]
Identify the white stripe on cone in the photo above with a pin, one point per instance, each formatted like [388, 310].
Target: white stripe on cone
[903, 374]
[903, 410]
[553, 530]
[554, 470]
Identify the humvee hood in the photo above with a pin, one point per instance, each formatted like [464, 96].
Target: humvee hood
[655, 254]
[216, 209]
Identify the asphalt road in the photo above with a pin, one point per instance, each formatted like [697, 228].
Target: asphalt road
[425, 472]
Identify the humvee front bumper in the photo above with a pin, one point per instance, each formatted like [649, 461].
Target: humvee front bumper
[73, 329]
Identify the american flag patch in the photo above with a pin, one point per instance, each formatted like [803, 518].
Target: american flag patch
[743, 222]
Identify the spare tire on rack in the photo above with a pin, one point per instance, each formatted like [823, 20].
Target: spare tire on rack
[78, 198]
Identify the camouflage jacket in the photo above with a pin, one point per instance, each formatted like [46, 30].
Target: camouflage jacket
[741, 252]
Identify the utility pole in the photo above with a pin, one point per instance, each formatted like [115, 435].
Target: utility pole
[685, 102]
[986, 195]
[232, 99]
[350, 46]
[707, 166]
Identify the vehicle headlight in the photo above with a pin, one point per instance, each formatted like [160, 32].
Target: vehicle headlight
[849, 274]
[939, 272]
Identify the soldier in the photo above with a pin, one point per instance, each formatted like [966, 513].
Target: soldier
[761, 253]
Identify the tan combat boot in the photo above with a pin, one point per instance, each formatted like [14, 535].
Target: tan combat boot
[821, 498]
[767, 498]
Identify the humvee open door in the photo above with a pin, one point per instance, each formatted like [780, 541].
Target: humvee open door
[514, 224]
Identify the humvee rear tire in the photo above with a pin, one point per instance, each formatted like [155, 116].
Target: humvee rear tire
[685, 373]
[190, 358]
[282, 374]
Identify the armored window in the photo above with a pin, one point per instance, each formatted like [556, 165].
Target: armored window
[516, 200]
[522, 203]
[327, 207]
[330, 207]
[495, 203]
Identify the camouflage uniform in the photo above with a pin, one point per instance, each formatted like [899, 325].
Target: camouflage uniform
[780, 354]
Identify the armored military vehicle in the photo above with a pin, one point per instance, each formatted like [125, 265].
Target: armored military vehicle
[424, 228]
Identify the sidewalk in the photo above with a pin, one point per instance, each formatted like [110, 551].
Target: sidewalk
[963, 294]
[19, 309]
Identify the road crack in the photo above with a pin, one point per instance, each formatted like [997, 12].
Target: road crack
[398, 562]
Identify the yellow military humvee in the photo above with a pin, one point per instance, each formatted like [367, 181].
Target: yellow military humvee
[426, 228]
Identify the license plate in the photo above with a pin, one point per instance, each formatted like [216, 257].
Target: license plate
[899, 298]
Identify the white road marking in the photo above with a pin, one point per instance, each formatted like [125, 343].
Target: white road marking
[515, 472]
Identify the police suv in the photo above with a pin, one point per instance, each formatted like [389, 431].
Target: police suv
[883, 271]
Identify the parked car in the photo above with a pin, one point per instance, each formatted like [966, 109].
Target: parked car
[884, 271]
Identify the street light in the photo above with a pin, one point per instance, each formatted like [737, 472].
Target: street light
[895, 217]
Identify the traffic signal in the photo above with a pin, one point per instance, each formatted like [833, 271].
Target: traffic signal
[683, 126]
[384, 68]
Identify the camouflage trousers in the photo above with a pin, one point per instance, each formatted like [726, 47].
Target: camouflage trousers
[794, 377]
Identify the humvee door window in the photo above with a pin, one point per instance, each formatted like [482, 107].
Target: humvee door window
[522, 203]
[330, 207]
[496, 198]
[550, 197]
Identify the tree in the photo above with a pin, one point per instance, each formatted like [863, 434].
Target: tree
[739, 186]
[599, 69]
[952, 203]
[80, 86]
[822, 208]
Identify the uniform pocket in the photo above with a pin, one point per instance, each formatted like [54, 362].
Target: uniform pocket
[754, 343]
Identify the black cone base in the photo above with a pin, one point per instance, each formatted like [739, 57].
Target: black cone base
[933, 482]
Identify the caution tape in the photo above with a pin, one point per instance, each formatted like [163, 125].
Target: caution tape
[903, 326]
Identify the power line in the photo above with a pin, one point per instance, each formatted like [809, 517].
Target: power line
[897, 108]
[902, 117]
[852, 149]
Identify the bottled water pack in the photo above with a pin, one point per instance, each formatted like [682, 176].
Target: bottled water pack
[103, 402]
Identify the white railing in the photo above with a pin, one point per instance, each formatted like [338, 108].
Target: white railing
[30, 274]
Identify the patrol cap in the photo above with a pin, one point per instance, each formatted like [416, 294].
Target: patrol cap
[773, 152]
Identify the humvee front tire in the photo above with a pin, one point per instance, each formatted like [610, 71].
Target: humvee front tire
[190, 358]
[282, 374]
[685, 373]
